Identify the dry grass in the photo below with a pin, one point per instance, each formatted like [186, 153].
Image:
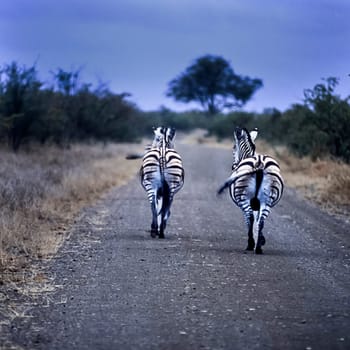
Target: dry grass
[41, 192]
[324, 181]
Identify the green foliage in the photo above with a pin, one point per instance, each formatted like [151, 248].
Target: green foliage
[67, 112]
[20, 102]
[66, 82]
[184, 121]
[330, 118]
[320, 127]
[223, 125]
[71, 111]
[211, 81]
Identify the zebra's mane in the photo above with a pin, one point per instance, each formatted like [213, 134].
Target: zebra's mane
[244, 145]
[163, 135]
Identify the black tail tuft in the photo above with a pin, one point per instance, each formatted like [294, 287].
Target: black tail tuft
[222, 189]
[255, 204]
[166, 197]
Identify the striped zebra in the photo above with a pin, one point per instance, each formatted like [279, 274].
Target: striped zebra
[162, 176]
[255, 185]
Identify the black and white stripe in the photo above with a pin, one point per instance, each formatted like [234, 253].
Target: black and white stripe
[162, 176]
[255, 185]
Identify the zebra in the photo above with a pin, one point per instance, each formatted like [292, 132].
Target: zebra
[255, 185]
[162, 176]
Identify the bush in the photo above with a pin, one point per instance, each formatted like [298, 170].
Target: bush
[67, 112]
[223, 125]
[319, 128]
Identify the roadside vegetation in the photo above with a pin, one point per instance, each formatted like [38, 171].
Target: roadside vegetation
[67, 111]
[42, 190]
[324, 181]
[317, 128]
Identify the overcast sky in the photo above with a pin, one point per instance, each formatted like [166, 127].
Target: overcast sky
[138, 46]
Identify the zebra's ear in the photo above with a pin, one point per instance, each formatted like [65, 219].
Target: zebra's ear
[254, 134]
[157, 130]
[172, 133]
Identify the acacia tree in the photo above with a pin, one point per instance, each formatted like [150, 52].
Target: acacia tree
[211, 82]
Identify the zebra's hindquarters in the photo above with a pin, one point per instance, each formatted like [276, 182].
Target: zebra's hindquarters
[174, 172]
[273, 184]
[162, 176]
[257, 178]
[243, 190]
[257, 186]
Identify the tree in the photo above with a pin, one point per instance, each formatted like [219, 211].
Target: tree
[69, 104]
[20, 102]
[67, 82]
[211, 81]
[331, 117]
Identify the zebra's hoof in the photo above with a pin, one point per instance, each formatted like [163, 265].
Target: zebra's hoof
[161, 236]
[251, 244]
[154, 233]
[258, 250]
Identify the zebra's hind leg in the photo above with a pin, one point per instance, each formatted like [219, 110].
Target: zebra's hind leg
[250, 222]
[165, 208]
[154, 226]
[261, 238]
[162, 224]
[164, 218]
[162, 229]
[167, 213]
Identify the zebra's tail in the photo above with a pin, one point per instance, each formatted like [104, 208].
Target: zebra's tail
[163, 198]
[255, 201]
[166, 198]
[223, 187]
[228, 182]
[256, 205]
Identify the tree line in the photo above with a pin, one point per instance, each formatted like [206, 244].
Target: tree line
[68, 110]
[317, 127]
[62, 112]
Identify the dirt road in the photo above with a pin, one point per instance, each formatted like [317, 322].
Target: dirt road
[117, 288]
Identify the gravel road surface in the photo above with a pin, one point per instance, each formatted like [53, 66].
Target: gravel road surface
[117, 288]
